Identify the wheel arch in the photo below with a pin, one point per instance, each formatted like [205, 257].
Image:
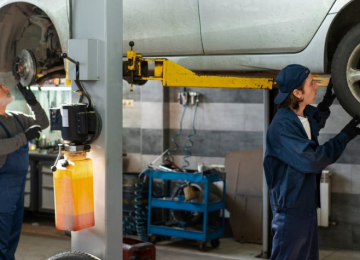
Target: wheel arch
[345, 20]
[56, 10]
[35, 25]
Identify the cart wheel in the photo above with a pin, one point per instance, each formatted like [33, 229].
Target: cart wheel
[162, 238]
[153, 239]
[215, 243]
[202, 246]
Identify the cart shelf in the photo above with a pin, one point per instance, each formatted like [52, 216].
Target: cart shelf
[179, 229]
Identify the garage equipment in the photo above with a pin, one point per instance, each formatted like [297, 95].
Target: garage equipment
[136, 71]
[80, 125]
[137, 219]
[173, 228]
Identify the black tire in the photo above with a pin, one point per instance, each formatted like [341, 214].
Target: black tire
[215, 243]
[346, 85]
[73, 256]
[202, 247]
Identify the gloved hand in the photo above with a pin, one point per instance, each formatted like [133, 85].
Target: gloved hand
[32, 132]
[328, 98]
[27, 94]
[351, 129]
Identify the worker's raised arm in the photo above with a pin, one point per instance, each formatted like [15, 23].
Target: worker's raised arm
[308, 157]
[324, 106]
[40, 118]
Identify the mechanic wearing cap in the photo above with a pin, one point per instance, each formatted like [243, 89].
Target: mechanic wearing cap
[16, 130]
[294, 160]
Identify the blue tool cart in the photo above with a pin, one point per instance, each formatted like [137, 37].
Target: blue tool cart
[179, 229]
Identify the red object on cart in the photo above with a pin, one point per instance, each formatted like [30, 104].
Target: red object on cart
[138, 250]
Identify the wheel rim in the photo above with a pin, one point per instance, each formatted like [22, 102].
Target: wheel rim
[353, 73]
[27, 67]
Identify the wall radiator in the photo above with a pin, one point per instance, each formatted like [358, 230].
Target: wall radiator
[323, 213]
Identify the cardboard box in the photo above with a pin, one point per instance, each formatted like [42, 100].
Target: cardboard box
[244, 173]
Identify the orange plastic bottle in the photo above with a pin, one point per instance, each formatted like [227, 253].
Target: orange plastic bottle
[74, 192]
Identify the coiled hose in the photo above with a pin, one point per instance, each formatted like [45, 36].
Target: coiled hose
[141, 213]
[189, 139]
[136, 222]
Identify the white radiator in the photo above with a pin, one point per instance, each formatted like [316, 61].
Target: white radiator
[325, 194]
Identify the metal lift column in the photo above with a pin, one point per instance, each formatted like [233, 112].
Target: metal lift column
[101, 22]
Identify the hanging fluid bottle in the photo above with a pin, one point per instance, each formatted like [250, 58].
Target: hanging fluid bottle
[74, 192]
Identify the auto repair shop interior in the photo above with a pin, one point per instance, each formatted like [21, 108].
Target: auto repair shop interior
[159, 114]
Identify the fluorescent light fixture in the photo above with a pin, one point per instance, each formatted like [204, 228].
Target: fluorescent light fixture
[51, 88]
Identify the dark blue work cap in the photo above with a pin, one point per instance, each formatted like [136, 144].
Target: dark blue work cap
[288, 79]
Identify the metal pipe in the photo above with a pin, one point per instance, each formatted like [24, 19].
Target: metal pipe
[70, 19]
[266, 101]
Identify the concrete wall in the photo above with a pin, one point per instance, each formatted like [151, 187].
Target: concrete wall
[226, 120]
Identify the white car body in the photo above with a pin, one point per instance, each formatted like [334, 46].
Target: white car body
[206, 35]
[232, 35]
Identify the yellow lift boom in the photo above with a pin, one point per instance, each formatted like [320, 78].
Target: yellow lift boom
[135, 71]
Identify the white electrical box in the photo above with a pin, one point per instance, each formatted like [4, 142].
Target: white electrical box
[86, 52]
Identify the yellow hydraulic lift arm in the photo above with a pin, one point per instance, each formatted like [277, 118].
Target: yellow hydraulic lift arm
[135, 71]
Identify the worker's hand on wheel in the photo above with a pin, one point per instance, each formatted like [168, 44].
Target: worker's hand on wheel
[32, 132]
[351, 129]
[328, 98]
[27, 94]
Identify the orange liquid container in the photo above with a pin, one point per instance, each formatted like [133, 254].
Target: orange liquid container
[74, 192]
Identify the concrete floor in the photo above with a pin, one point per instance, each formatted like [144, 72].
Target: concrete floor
[41, 241]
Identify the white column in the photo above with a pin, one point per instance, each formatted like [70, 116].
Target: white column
[102, 20]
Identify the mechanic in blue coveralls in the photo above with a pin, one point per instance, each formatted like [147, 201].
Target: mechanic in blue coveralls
[16, 130]
[294, 160]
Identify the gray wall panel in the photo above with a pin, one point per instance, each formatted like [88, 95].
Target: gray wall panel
[216, 143]
[206, 143]
[343, 207]
[351, 153]
[151, 140]
[151, 91]
[239, 141]
[131, 140]
[127, 94]
[217, 95]
[344, 210]
[339, 236]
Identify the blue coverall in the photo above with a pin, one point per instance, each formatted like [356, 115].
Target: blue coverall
[12, 186]
[293, 166]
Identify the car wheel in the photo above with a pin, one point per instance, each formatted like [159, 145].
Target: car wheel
[345, 71]
[73, 256]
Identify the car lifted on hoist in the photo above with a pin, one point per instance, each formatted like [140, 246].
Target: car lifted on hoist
[202, 35]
